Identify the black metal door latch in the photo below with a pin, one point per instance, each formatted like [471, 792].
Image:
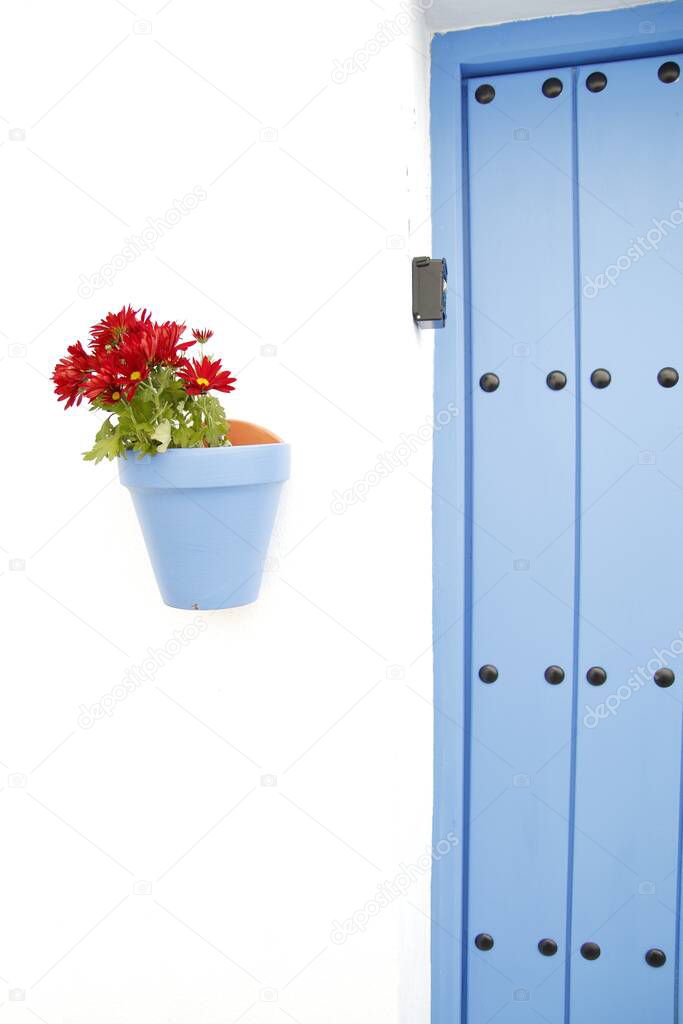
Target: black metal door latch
[429, 291]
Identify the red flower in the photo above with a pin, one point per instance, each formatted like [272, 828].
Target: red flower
[71, 373]
[202, 375]
[124, 349]
[160, 343]
[202, 336]
[105, 386]
[129, 365]
[111, 331]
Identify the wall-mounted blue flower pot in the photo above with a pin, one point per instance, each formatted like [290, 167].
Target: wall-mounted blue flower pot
[207, 515]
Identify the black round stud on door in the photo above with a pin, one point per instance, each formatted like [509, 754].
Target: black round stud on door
[554, 675]
[669, 72]
[489, 382]
[596, 82]
[488, 673]
[552, 87]
[664, 677]
[655, 957]
[601, 378]
[668, 377]
[484, 942]
[547, 947]
[590, 951]
[484, 94]
[556, 380]
[596, 676]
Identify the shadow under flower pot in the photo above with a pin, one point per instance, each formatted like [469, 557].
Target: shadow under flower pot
[207, 515]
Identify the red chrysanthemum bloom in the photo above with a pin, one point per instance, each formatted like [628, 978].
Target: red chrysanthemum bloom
[112, 330]
[128, 365]
[71, 373]
[202, 375]
[106, 386]
[202, 336]
[161, 343]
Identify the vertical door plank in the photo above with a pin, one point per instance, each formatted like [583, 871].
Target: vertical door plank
[630, 146]
[522, 476]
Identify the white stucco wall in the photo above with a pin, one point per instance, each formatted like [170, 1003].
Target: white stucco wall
[150, 869]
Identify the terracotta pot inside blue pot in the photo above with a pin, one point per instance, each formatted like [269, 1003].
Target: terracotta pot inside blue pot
[207, 515]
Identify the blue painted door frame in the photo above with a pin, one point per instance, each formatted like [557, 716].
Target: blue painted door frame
[460, 61]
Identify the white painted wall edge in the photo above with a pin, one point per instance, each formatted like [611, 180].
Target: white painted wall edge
[457, 15]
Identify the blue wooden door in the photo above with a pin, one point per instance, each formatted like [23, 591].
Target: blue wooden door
[575, 423]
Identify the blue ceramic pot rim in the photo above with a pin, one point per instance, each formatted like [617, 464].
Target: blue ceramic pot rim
[232, 466]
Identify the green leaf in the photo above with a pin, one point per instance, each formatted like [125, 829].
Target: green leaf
[182, 436]
[108, 443]
[162, 434]
[215, 425]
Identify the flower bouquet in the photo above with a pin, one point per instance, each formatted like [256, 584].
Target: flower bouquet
[155, 397]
